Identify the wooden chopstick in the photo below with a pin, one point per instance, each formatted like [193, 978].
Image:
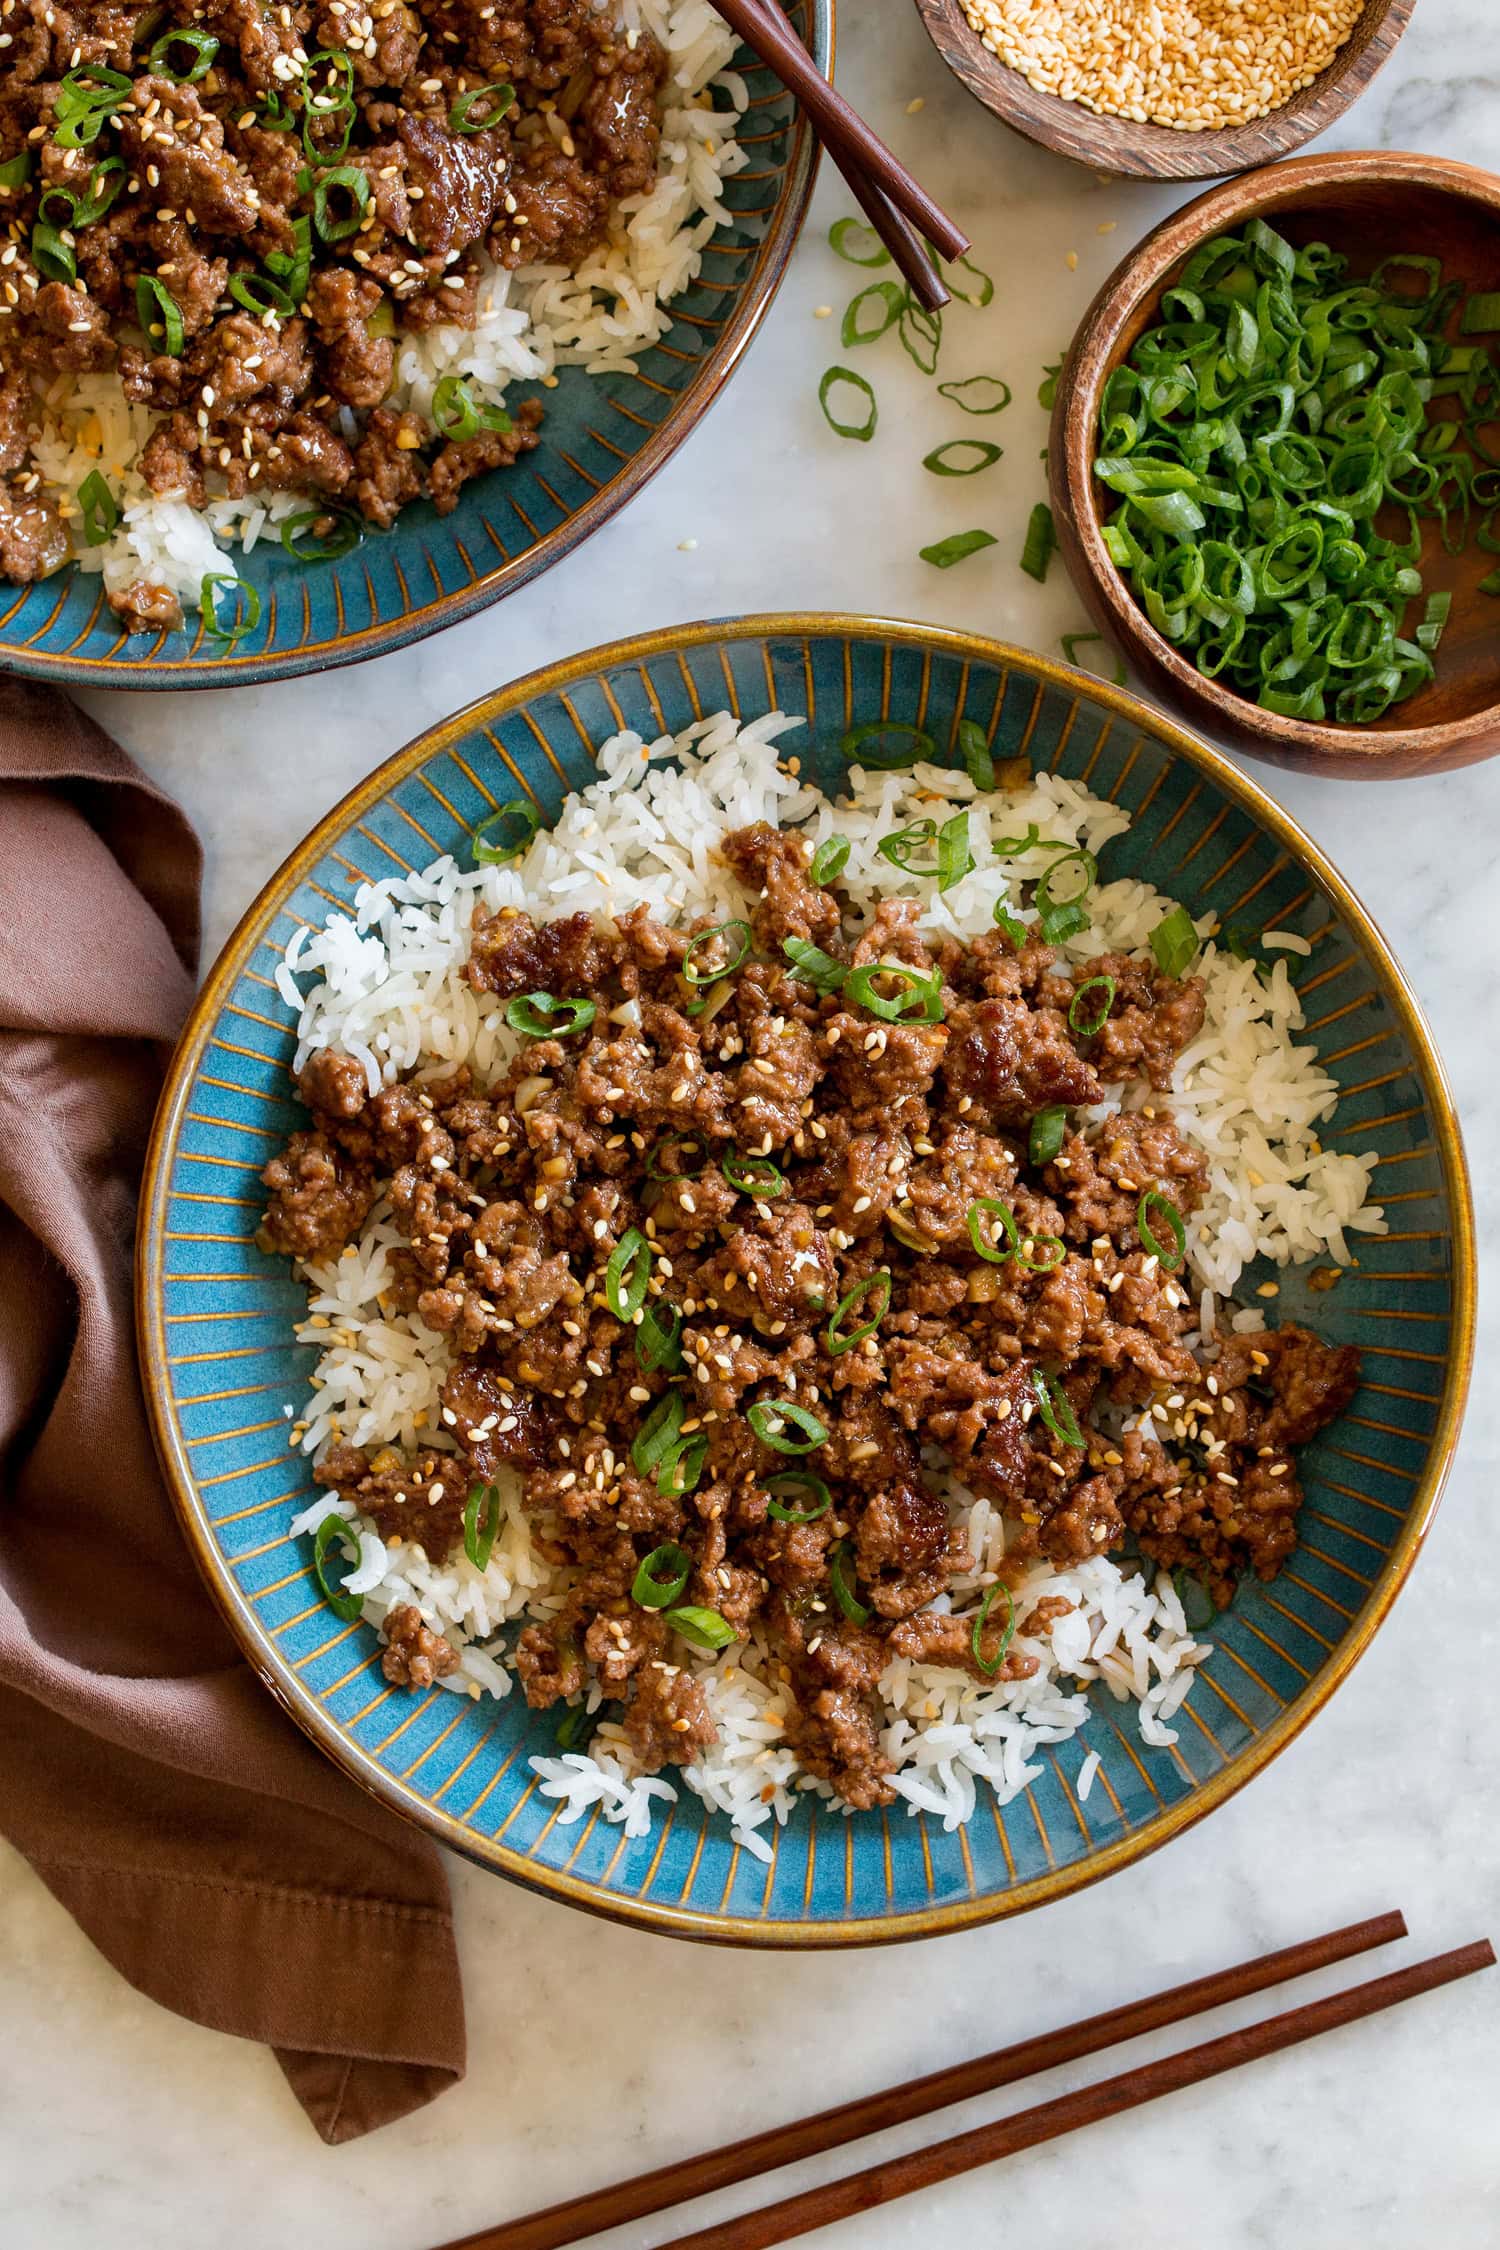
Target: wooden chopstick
[758, 2153]
[765, 30]
[1107, 2097]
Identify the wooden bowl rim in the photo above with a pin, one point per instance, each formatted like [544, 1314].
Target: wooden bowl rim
[1130, 150]
[1074, 419]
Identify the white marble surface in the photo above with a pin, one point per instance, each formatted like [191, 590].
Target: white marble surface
[120, 2125]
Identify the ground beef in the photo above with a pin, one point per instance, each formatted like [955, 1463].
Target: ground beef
[850, 1266]
[414, 1655]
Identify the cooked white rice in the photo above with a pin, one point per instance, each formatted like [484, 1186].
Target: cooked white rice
[386, 985]
[532, 321]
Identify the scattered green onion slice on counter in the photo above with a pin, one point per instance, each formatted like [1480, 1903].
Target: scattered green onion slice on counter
[247, 607]
[875, 1286]
[1090, 1020]
[541, 1015]
[512, 825]
[954, 858]
[1154, 1203]
[99, 507]
[661, 1577]
[1041, 542]
[1056, 1408]
[797, 1480]
[974, 749]
[306, 544]
[738, 941]
[481, 107]
[705, 1628]
[759, 1176]
[829, 860]
[482, 1513]
[774, 1419]
[333, 1531]
[1174, 941]
[1073, 642]
[956, 548]
[1046, 390]
[862, 431]
[984, 288]
[627, 1277]
[843, 1591]
[657, 1434]
[962, 457]
[53, 258]
[857, 244]
[887, 745]
[920, 334]
[1045, 1135]
[658, 1337]
[201, 44]
[979, 389]
[920, 991]
[889, 296]
[343, 179]
[682, 1464]
[982, 1237]
[988, 1664]
[813, 965]
[677, 1141]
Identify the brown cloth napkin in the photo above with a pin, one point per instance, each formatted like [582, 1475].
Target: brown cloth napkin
[208, 1851]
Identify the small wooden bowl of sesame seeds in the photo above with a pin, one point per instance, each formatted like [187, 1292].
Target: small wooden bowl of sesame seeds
[1167, 89]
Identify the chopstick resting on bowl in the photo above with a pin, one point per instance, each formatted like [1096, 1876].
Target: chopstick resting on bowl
[570, 2221]
[899, 209]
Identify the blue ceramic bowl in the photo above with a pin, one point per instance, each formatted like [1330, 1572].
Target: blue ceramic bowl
[221, 1365]
[601, 440]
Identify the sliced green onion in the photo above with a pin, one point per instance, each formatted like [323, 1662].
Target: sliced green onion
[159, 314]
[974, 749]
[863, 431]
[496, 101]
[954, 858]
[739, 932]
[1046, 390]
[962, 457]
[904, 847]
[513, 825]
[74, 211]
[628, 1274]
[1041, 542]
[798, 1480]
[657, 1434]
[1016, 931]
[1061, 918]
[1091, 1020]
[247, 607]
[335, 1531]
[975, 395]
[457, 415]
[1198, 1607]
[100, 508]
[857, 244]
[1481, 314]
[705, 1628]
[1073, 642]
[988, 1664]
[541, 1015]
[201, 45]
[1027, 1255]
[886, 744]
[813, 965]
[15, 172]
[678, 1141]
[984, 289]
[920, 334]
[838, 1338]
[259, 294]
[483, 1511]
[576, 1727]
[1045, 1135]
[990, 1207]
[920, 993]
[1174, 941]
[347, 179]
[1153, 1201]
[1056, 1408]
[1435, 622]
[829, 860]
[753, 1175]
[52, 257]
[772, 1419]
[843, 1591]
[658, 1337]
[956, 548]
[662, 1576]
[889, 295]
[682, 1464]
[294, 266]
[306, 544]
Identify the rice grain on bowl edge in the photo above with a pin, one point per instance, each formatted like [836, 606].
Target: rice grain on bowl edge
[533, 321]
[387, 988]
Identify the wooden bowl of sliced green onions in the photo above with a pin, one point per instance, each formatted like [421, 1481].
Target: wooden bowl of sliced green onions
[1275, 462]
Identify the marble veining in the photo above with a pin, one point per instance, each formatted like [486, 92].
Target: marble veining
[120, 2125]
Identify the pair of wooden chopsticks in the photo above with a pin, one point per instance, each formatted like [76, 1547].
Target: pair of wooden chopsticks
[583, 2215]
[897, 206]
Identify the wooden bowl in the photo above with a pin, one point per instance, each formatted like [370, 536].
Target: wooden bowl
[1365, 204]
[1157, 152]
